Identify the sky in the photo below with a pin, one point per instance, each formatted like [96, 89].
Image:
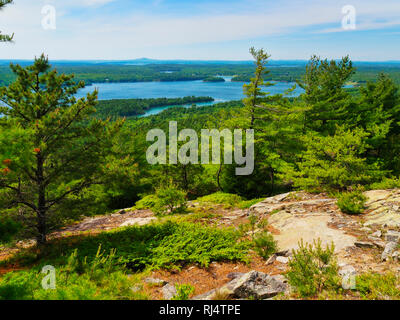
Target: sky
[201, 29]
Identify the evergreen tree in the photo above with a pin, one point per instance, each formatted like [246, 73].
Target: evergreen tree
[5, 37]
[51, 150]
[334, 162]
[325, 94]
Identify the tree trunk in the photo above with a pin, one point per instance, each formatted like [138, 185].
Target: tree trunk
[41, 207]
[272, 176]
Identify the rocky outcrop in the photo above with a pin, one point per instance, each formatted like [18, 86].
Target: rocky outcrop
[138, 221]
[256, 285]
[383, 208]
[301, 216]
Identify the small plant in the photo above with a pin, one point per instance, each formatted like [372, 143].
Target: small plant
[313, 269]
[264, 244]
[146, 203]
[169, 200]
[352, 202]
[183, 292]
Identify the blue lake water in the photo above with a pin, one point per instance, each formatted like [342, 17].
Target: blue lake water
[220, 91]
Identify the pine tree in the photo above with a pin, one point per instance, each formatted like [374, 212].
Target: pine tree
[51, 148]
[325, 94]
[5, 37]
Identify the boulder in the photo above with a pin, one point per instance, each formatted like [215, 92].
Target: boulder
[392, 236]
[377, 234]
[155, 281]
[169, 291]
[257, 285]
[389, 249]
[283, 260]
[347, 271]
[364, 244]
[234, 275]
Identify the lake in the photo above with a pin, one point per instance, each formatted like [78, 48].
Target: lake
[220, 91]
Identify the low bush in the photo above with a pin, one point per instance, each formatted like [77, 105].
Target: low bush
[103, 278]
[386, 183]
[352, 202]
[147, 202]
[184, 291]
[313, 269]
[221, 198]
[169, 200]
[373, 286]
[159, 245]
[264, 244]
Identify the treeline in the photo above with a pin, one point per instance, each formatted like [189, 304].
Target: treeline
[134, 107]
[179, 72]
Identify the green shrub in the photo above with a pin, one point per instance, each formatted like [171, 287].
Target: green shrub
[313, 269]
[169, 200]
[386, 183]
[221, 198]
[158, 245]
[264, 244]
[352, 202]
[183, 292]
[374, 286]
[102, 278]
[8, 229]
[147, 202]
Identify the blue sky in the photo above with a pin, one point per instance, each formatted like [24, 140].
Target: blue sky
[202, 29]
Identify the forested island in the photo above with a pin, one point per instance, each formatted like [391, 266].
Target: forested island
[134, 107]
[213, 79]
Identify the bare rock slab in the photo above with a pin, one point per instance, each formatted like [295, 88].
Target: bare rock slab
[138, 222]
[309, 227]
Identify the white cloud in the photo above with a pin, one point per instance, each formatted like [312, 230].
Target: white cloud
[135, 35]
[96, 2]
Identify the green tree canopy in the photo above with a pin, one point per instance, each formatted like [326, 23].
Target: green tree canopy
[50, 147]
[5, 37]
